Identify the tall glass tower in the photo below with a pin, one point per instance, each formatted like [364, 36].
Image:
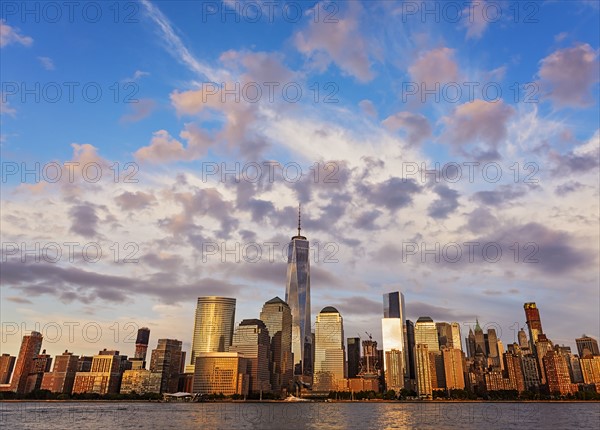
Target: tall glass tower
[213, 325]
[297, 296]
[395, 342]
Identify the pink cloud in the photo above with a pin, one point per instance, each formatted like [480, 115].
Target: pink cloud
[481, 123]
[568, 75]
[341, 42]
[435, 66]
[416, 126]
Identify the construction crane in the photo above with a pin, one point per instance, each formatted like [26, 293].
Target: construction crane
[370, 336]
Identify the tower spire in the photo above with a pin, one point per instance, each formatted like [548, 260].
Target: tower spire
[299, 219]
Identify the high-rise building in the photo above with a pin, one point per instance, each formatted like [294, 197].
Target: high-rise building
[277, 316]
[523, 342]
[444, 334]
[329, 350]
[455, 336]
[353, 344]
[587, 345]
[42, 363]
[30, 348]
[470, 341]
[453, 368]
[395, 343]
[534, 324]
[590, 370]
[213, 325]
[104, 376]
[166, 360]
[557, 374]
[575, 369]
[251, 338]
[492, 343]
[221, 372]
[62, 377]
[141, 344]
[426, 334]
[371, 361]
[480, 344]
[514, 371]
[7, 364]
[423, 370]
[531, 375]
[410, 350]
[297, 296]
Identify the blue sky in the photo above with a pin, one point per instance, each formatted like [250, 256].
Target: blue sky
[361, 110]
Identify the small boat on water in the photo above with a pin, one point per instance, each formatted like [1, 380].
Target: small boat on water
[292, 398]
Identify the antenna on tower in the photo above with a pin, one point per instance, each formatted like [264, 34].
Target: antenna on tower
[299, 219]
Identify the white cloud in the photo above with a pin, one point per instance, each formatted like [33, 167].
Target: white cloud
[9, 35]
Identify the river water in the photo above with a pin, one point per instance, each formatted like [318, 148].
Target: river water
[278, 416]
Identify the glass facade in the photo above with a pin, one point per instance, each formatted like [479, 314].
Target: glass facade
[297, 296]
[329, 349]
[395, 341]
[221, 372]
[213, 325]
[277, 316]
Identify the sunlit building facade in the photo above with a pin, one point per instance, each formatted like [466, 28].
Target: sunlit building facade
[277, 316]
[30, 348]
[297, 296]
[395, 344]
[213, 325]
[251, 338]
[329, 350]
[221, 372]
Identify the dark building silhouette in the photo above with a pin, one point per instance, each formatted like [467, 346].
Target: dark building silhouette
[353, 356]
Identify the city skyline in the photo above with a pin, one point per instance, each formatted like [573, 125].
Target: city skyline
[453, 160]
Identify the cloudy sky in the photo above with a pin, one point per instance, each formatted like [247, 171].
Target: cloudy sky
[175, 138]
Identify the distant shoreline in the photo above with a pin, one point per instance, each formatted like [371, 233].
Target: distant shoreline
[309, 401]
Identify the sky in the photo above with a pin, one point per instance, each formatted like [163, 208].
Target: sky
[154, 152]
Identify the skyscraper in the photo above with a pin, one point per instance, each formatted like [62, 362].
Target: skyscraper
[523, 343]
[426, 334]
[587, 345]
[423, 370]
[141, 344]
[395, 344]
[557, 374]
[534, 324]
[7, 364]
[30, 348]
[297, 296]
[329, 349]
[353, 344]
[166, 360]
[480, 347]
[213, 325]
[251, 339]
[62, 377]
[453, 368]
[277, 316]
[455, 334]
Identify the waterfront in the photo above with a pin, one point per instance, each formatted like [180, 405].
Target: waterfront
[278, 415]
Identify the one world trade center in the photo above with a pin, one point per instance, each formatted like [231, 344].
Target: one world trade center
[297, 295]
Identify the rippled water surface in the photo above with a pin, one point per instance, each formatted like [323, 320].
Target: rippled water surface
[427, 415]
